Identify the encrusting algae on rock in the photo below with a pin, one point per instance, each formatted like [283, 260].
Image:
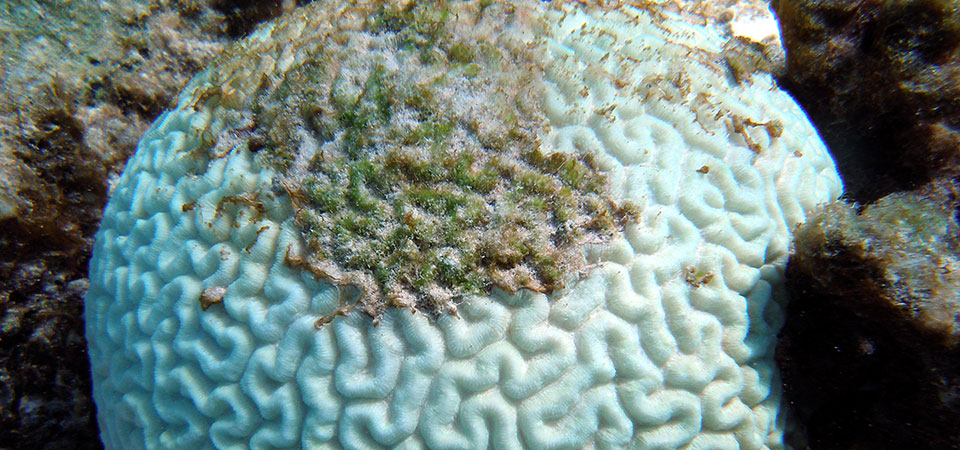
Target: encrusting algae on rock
[408, 138]
[875, 307]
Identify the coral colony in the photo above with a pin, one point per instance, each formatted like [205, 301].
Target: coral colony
[455, 225]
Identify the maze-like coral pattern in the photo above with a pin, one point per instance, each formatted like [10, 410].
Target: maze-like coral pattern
[667, 343]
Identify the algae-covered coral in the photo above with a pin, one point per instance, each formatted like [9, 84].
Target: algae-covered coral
[410, 145]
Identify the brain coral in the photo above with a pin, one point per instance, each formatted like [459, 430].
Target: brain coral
[455, 225]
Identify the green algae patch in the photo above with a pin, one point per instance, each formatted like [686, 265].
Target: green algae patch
[410, 146]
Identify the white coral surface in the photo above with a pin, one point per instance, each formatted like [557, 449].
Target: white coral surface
[666, 343]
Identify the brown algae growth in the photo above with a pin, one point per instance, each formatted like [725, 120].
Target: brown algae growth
[407, 138]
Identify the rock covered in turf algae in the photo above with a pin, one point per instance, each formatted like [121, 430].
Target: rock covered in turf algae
[875, 308]
[879, 78]
[455, 225]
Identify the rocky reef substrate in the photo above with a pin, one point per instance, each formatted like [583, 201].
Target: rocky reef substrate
[869, 352]
[879, 79]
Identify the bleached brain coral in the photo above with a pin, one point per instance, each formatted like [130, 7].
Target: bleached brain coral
[455, 225]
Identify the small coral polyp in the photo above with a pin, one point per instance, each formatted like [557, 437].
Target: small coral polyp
[455, 225]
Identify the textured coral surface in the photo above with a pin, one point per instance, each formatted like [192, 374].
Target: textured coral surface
[208, 328]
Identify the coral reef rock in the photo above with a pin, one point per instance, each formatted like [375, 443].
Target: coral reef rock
[456, 225]
[880, 81]
[82, 82]
[869, 353]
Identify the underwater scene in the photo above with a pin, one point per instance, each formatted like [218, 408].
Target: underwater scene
[469, 224]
